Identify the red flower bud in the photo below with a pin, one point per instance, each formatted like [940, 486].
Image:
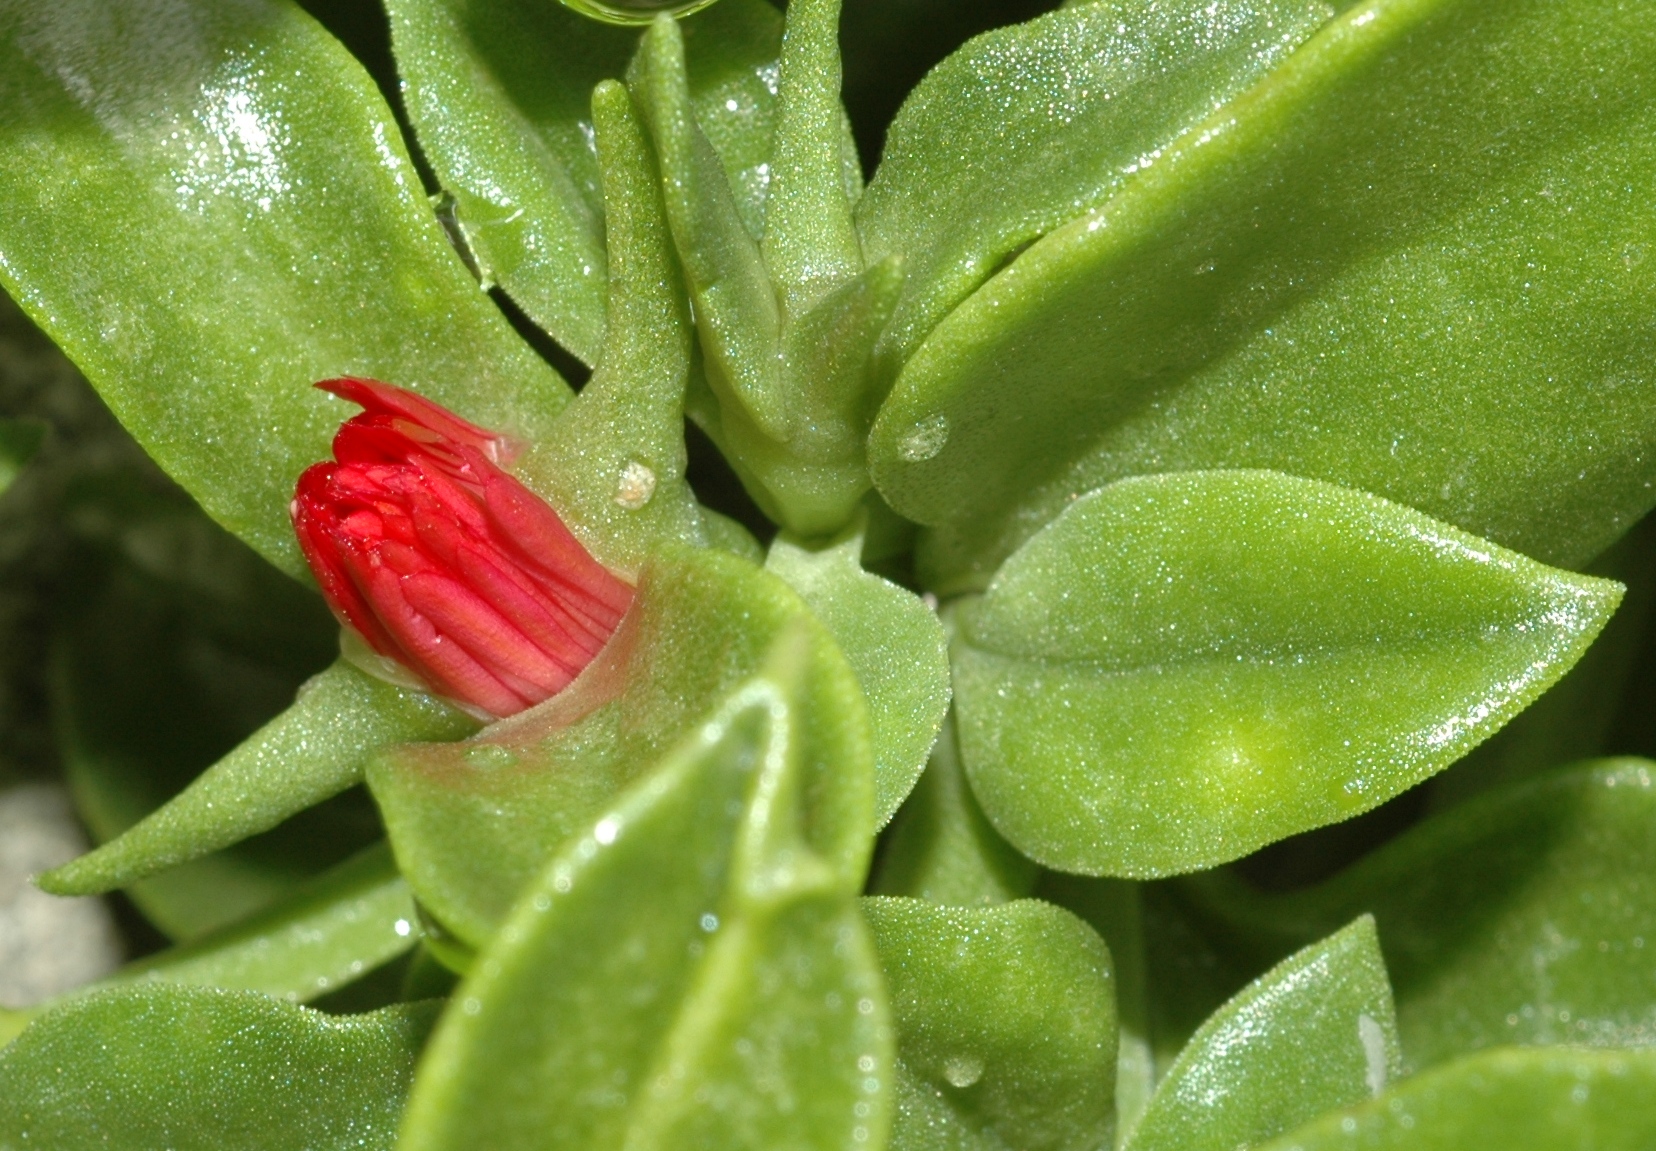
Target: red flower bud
[445, 563]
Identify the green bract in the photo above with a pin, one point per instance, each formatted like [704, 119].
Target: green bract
[1117, 636]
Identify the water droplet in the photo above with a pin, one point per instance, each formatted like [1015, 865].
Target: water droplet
[925, 439]
[491, 756]
[963, 1070]
[636, 486]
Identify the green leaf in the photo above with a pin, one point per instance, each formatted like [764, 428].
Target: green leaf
[192, 1069]
[941, 847]
[1182, 668]
[1525, 915]
[500, 93]
[1314, 1033]
[313, 750]
[1293, 285]
[19, 440]
[211, 211]
[785, 348]
[634, 11]
[473, 822]
[894, 644]
[1551, 1100]
[1115, 908]
[715, 986]
[334, 929]
[1026, 127]
[614, 463]
[1006, 1026]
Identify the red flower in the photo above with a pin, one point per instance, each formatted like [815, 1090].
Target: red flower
[445, 563]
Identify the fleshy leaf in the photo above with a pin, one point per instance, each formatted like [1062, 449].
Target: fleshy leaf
[1549, 1100]
[473, 822]
[1006, 1028]
[1290, 285]
[499, 94]
[1184, 667]
[193, 1069]
[895, 645]
[208, 208]
[332, 930]
[614, 463]
[1526, 915]
[716, 987]
[1068, 105]
[313, 750]
[1314, 1033]
[941, 847]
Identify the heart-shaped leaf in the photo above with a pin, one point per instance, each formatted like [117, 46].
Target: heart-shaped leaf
[1406, 260]
[1315, 1032]
[714, 984]
[1184, 667]
[208, 209]
[1006, 1027]
[193, 1069]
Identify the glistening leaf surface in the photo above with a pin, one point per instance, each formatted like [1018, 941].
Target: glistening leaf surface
[499, 94]
[715, 986]
[1314, 1033]
[1407, 261]
[1184, 667]
[1526, 915]
[892, 641]
[473, 822]
[1551, 1100]
[209, 208]
[1006, 1025]
[192, 1069]
[1026, 127]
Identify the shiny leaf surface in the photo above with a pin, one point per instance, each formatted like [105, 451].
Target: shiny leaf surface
[892, 641]
[1182, 668]
[473, 822]
[192, 1069]
[1314, 1033]
[1524, 916]
[1553, 1100]
[209, 208]
[716, 986]
[1405, 261]
[1006, 1026]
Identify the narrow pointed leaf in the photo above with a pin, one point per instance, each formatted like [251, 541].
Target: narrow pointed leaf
[313, 750]
[1006, 1025]
[499, 94]
[193, 1069]
[332, 930]
[1314, 1033]
[1549, 1100]
[614, 463]
[894, 644]
[1293, 285]
[716, 987]
[19, 440]
[810, 243]
[473, 822]
[210, 209]
[1068, 105]
[1182, 668]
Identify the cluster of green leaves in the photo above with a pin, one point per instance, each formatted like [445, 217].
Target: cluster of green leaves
[1187, 440]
